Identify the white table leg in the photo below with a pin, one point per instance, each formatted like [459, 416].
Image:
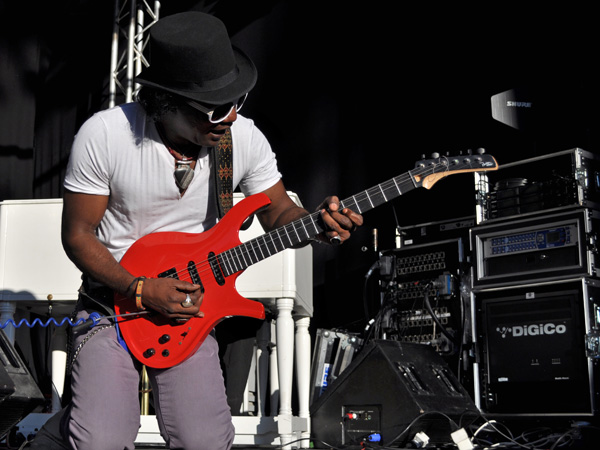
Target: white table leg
[285, 363]
[274, 373]
[263, 339]
[303, 376]
[59, 366]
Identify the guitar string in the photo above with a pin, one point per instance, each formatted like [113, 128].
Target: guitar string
[203, 268]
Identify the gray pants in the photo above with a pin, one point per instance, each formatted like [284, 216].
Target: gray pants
[189, 398]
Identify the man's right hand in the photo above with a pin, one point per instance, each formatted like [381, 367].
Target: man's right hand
[167, 295]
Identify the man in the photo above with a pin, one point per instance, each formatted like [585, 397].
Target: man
[145, 167]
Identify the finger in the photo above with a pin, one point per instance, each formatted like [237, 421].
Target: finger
[333, 204]
[336, 221]
[186, 287]
[335, 235]
[357, 219]
[330, 203]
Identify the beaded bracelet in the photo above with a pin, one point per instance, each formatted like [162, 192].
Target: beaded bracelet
[138, 294]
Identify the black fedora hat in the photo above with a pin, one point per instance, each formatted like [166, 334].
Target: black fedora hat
[190, 55]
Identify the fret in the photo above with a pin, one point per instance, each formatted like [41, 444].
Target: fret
[265, 246]
[365, 206]
[314, 224]
[227, 261]
[296, 231]
[231, 267]
[357, 205]
[236, 260]
[242, 260]
[413, 179]
[279, 238]
[257, 251]
[393, 188]
[250, 250]
[260, 249]
[287, 235]
[369, 198]
[275, 250]
[308, 236]
[383, 193]
[377, 199]
[397, 187]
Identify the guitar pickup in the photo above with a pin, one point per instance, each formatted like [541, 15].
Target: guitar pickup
[216, 269]
[194, 276]
[171, 273]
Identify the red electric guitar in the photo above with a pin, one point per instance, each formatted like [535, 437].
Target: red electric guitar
[215, 258]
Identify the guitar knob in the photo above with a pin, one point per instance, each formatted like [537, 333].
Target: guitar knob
[164, 339]
[149, 353]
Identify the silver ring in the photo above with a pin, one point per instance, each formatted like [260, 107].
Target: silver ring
[336, 240]
[188, 301]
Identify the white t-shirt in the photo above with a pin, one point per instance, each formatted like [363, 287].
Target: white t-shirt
[118, 153]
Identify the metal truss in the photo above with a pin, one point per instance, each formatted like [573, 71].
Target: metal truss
[132, 20]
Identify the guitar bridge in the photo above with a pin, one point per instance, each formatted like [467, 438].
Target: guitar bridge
[216, 269]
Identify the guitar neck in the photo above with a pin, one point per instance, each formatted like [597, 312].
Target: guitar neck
[426, 174]
[307, 227]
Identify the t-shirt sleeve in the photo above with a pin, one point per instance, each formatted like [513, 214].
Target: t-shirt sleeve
[256, 159]
[88, 167]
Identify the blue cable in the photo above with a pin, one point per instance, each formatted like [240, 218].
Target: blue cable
[94, 317]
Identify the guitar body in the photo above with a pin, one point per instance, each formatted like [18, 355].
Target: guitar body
[154, 339]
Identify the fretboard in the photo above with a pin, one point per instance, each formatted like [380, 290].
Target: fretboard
[301, 230]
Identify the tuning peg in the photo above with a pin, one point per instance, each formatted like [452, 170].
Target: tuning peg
[480, 151]
[435, 155]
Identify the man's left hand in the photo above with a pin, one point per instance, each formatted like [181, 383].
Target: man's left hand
[339, 223]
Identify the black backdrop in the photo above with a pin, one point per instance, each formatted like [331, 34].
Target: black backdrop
[348, 96]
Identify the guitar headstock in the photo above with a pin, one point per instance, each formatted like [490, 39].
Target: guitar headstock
[427, 172]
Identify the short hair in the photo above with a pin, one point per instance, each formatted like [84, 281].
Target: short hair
[157, 103]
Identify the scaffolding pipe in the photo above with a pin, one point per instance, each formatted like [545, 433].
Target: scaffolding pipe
[129, 38]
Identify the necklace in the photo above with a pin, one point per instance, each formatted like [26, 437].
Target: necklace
[183, 174]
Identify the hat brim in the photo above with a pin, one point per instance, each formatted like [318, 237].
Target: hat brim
[243, 83]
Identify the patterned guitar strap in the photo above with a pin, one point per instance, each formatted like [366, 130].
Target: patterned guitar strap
[223, 173]
[223, 176]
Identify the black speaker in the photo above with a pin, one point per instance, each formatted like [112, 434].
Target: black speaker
[392, 390]
[536, 349]
[19, 394]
